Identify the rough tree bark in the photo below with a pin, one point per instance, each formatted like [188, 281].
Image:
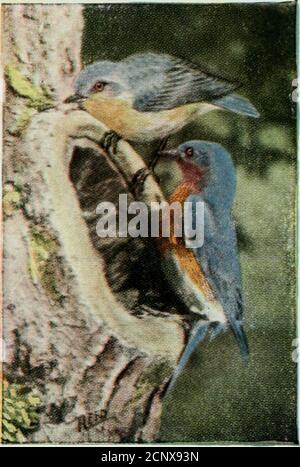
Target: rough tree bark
[99, 354]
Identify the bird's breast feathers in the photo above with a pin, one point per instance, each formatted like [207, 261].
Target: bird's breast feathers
[119, 115]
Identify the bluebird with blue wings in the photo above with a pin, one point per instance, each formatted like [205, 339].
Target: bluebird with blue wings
[150, 96]
[207, 279]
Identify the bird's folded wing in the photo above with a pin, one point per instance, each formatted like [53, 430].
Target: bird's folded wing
[219, 260]
[180, 84]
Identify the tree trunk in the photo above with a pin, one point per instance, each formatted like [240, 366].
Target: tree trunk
[99, 355]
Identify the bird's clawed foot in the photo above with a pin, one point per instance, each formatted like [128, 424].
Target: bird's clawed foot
[138, 181]
[161, 147]
[109, 141]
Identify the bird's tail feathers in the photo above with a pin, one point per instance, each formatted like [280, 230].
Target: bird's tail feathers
[240, 335]
[198, 335]
[237, 104]
[216, 330]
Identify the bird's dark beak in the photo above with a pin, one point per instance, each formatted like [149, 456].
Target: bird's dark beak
[74, 98]
[169, 154]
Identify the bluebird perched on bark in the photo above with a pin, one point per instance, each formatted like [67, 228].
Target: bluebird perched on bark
[207, 279]
[150, 96]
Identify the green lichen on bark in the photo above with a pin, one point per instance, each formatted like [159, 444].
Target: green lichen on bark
[20, 412]
[37, 97]
[43, 262]
[12, 199]
[23, 116]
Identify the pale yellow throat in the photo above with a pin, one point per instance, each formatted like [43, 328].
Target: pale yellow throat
[119, 116]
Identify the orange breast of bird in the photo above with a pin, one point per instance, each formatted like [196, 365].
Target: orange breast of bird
[185, 256]
[119, 115]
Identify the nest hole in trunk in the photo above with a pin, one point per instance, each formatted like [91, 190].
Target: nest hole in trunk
[132, 265]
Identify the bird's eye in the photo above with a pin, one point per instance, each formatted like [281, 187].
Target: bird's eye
[189, 152]
[99, 86]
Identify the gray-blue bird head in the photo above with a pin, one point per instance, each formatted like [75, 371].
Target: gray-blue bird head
[103, 77]
[138, 74]
[209, 168]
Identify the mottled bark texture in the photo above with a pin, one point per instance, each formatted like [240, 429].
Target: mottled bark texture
[86, 321]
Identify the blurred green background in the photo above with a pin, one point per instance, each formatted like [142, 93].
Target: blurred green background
[217, 399]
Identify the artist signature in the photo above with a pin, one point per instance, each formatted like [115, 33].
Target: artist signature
[90, 420]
